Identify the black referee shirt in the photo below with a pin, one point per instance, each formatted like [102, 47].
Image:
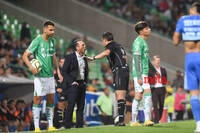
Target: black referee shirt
[117, 55]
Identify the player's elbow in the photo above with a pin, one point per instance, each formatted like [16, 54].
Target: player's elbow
[24, 56]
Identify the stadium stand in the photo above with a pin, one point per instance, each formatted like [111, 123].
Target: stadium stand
[160, 13]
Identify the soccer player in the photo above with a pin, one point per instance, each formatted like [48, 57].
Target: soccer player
[188, 27]
[140, 53]
[117, 58]
[43, 49]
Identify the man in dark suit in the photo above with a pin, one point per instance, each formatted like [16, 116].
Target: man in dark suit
[75, 72]
[158, 82]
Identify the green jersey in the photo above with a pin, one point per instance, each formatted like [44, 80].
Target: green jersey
[43, 51]
[140, 47]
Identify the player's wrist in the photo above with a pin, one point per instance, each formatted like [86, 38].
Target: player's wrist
[94, 58]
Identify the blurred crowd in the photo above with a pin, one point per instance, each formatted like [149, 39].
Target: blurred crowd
[11, 51]
[161, 14]
[15, 115]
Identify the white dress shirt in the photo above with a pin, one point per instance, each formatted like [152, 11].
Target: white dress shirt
[158, 83]
[81, 65]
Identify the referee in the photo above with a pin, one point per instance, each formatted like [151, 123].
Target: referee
[117, 59]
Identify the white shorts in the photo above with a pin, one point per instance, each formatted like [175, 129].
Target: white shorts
[144, 86]
[44, 86]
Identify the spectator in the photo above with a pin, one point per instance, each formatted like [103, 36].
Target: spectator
[129, 100]
[20, 114]
[5, 69]
[163, 10]
[105, 105]
[179, 107]
[21, 71]
[13, 120]
[169, 102]
[25, 32]
[3, 115]
[93, 86]
[178, 81]
[108, 78]
[188, 107]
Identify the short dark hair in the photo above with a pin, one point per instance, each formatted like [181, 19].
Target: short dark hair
[75, 42]
[140, 26]
[197, 6]
[156, 56]
[180, 86]
[48, 23]
[108, 36]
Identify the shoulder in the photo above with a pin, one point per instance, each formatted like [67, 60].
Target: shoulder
[188, 17]
[70, 55]
[137, 41]
[100, 97]
[110, 45]
[37, 39]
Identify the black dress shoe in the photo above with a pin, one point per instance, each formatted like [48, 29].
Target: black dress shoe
[79, 126]
[119, 124]
[67, 127]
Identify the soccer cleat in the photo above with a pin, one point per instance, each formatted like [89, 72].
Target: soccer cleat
[52, 129]
[149, 123]
[62, 128]
[135, 124]
[37, 130]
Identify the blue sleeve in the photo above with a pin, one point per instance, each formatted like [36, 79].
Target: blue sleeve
[179, 25]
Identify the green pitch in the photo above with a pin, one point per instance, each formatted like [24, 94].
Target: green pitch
[174, 127]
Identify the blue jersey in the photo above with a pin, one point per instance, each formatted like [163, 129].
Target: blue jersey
[189, 27]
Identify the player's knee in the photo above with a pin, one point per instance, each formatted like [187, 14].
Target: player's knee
[37, 100]
[147, 91]
[138, 96]
[61, 105]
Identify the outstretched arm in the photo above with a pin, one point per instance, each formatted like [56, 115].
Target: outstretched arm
[99, 56]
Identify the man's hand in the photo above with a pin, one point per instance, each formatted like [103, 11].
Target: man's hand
[89, 58]
[60, 78]
[34, 70]
[140, 82]
[75, 83]
[59, 90]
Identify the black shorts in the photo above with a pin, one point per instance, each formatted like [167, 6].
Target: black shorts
[121, 78]
[61, 97]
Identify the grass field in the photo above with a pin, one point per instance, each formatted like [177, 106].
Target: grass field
[173, 127]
